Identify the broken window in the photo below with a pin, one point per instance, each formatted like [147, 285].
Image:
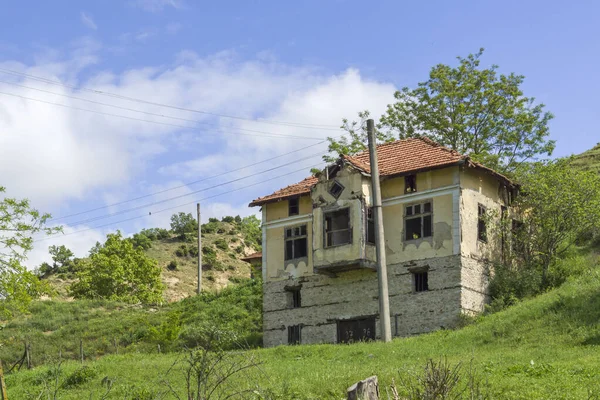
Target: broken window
[294, 206]
[418, 221]
[337, 227]
[336, 189]
[410, 183]
[481, 223]
[296, 242]
[294, 298]
[516, 231]
[420, 281]
[294, 334]
[370, 218]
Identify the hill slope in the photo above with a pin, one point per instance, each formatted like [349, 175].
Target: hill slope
[543, 348]
[589, 160]
[224, 244]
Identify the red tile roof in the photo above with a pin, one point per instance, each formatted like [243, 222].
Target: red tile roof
[253, 256]
[395, 158]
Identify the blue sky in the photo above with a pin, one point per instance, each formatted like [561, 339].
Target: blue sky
[310, 62]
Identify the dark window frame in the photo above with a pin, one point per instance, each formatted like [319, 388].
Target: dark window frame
[420, 281]
[410, 183]
[481, 223]
[369, 225]
[328, 233]
[291, 235]
[336, 193]
[295, 297]
[294, 206]
[294, 334]
[421, 211]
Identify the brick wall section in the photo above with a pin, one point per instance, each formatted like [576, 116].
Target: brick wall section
[354, 295]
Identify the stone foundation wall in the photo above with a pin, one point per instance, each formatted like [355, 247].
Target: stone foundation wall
[354, 294]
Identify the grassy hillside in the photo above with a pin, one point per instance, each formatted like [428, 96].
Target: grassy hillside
[223, 244]
[543, 348]
[105, 327]
[589, 160]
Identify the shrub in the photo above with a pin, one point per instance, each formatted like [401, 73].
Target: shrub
[182, 251]
[172, 266]
[239, 249]
[233, 232]
[221, 244]
[193, 251]
[234, 240]
[228, 219]
[221, 231]
[213, 220]
[210, 278]
[208, 251]
[80, 376]
[141, 241]
[210, 227]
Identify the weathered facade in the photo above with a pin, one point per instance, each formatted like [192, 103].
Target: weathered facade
[318, 264]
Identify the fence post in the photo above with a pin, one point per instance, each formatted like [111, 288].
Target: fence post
[28, 354]
[2, 384]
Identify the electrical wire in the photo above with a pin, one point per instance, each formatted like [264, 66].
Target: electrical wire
[183, 185]
[177, 206]
[100, 217]
[265, 134]
[133, 99]
[131, 109]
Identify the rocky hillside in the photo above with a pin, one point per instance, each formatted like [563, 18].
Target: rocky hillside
[224, 244]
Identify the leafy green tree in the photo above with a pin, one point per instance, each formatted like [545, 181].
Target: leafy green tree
[141, 241]
[118, 271]
[559, 207]
[18, 223]
[182, 223]
[252, 231]
[467, 108]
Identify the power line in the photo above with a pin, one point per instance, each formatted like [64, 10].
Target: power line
[179, 205]
[104, 93]
[131, 109]
[185, 184]
[264, 134]
[97, 218]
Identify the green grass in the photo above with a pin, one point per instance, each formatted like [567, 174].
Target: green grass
[109, 327]
[543, 348]
[589, 160]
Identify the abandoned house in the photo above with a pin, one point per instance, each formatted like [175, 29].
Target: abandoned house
[318, 261]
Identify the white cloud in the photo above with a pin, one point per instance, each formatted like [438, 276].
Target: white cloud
[157, 5]
[87, 20]
[55, 155]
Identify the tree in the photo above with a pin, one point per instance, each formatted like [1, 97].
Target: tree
[467, 108]
[139, 240]
[250, 227]
[118, 271]
[559, 206]
[182, 223]
[18, 223]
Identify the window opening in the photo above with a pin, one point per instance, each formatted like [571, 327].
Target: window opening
[418, 221]
[296, 242]
[293, 206]
[481, 223]
[370, 225]
[337, 227]
[420, 281]
[294, 298]
[410, 183]
[336, 189]
[294, 334]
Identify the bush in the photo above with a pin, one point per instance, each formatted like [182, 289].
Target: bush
[221, 244]
[239, 249]
[141, 241]
[182, 251]
[208, 251]
[172, 266]
[80, 376]
[193, 251]
[213, 220]
[228, 219]
[210, 227]
[234, 240]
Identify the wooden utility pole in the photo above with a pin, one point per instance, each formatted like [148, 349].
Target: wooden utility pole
[199, 289]
[384, 300]
[2, 384]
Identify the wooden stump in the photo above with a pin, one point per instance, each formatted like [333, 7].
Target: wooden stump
[367, 389]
